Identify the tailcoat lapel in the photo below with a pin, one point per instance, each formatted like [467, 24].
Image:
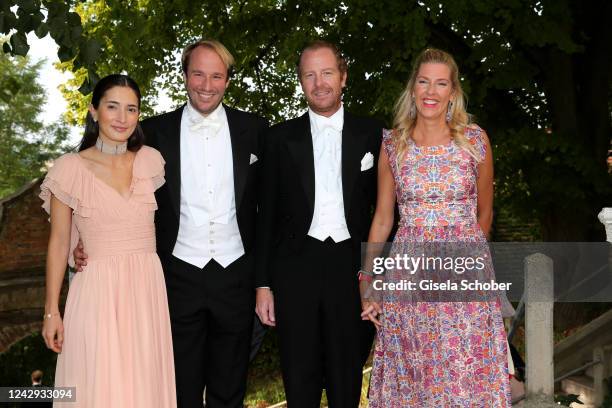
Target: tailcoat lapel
[170, 145]
[352, 149]
[240, 153]
[300, 146]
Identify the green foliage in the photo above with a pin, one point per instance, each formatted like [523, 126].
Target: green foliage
[19, 17]
[265, 384]
[537, 73]
[26, 144]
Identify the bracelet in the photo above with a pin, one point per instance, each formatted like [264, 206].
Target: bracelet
[50, 315]
[365, 277]
[362, 272]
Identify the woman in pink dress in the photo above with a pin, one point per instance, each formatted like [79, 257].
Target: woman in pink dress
[114, 341]
[439, 169]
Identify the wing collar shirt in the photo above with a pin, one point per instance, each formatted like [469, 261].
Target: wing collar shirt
[328, 218]
[208, 228]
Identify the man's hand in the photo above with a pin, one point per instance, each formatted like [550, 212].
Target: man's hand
[80, 257]
[265, 306]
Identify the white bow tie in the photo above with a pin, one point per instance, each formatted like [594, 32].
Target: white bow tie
[206, 123]
[331, 124]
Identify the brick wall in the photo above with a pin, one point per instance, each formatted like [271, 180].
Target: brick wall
[24, 231]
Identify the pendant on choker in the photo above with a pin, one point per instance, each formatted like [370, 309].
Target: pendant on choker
[111, 149]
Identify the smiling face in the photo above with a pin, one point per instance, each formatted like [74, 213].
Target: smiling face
[322, 81]
[433, 90]
[117, 114]
[206, 79]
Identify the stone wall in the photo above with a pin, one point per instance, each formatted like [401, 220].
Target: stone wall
[24, 231]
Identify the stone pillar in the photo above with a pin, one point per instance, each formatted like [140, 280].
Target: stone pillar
[603, 370]
[599, 384]
[539, 343]
[605, 216]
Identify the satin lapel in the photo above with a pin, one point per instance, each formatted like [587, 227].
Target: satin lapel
[352, 149]
[240, 153]
[300, 146]
[170, 146]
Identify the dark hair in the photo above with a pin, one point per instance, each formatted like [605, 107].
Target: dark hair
[37, 375]
[318, 44]
[136, 139]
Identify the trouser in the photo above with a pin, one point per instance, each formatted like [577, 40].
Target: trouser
[211, 313]
[323, 341]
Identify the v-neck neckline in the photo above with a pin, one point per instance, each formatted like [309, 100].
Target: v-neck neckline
[98, 179]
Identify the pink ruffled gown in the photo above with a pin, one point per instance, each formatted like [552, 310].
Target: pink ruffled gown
[117, 348]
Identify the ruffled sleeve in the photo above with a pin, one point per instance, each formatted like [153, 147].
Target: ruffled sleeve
[148, 176]
[67, 182]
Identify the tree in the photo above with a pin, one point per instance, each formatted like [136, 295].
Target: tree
[538, 74]
[53, 17]
[26, 144]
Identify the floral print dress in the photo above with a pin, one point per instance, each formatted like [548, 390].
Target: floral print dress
[439, 354]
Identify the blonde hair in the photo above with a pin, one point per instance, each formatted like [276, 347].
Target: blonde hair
[216, 46]
[405, 107]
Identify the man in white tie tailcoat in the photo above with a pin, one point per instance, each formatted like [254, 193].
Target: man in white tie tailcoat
[317, 198]
[205, 229]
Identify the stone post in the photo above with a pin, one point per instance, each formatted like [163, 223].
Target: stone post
[539, 344]
[604, 354]
[605, 216]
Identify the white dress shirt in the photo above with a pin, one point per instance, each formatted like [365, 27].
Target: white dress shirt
[328, 219]
[208, 228]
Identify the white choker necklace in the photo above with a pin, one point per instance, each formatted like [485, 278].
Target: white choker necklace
[110, 149]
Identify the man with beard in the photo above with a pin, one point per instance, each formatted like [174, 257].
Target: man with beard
[317, 196]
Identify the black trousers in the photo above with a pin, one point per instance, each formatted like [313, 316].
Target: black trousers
[323, 341]
[211, 313]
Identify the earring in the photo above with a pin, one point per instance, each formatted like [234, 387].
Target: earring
[449, 111]
[412, 112]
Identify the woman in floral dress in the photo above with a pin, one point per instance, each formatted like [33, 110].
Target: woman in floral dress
[439, 169]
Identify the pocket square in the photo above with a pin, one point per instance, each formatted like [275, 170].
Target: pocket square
[253, 159]
[367, 162]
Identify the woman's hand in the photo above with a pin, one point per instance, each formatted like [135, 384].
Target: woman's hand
[53, 332]
[371, 311]
[370, 307]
